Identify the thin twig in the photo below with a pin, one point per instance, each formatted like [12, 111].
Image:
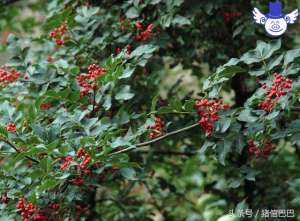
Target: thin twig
[173, 112]
[10, 143]
[161, 152]
[147, 143]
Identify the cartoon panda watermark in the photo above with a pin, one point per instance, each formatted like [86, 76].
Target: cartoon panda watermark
[275, 21]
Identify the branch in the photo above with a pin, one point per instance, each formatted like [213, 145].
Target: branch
[147, 143]
[161, 152]
[139, 145]
[10, 143]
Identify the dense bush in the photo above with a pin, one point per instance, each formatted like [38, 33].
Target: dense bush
[147, 110]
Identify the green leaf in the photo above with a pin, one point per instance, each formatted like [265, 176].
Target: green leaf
[275, 62]
[291, 55]
[120, 142]
[177, 3]
[229, 217]
[165, 110]
[166, 20]
[132, 13]
[246, 116]
[257, 73]
[223, 149]
[45, 165]
[124, 94]
[262, 52]
[224, 73]
[154, 103]
[181, 21]
[235, 183]
[239, 143]
[128, 173]
[61, 63]
[127, 73]
[52, 145]
[225, 122]
[291, 70]
[48, 184]
[37, 150]
[176, 104]
[143, 49]
[272, 115]
[155, 2]
[107, 102]
[3, 131]
[206, 145]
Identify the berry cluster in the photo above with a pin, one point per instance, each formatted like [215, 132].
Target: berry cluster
[144, 33]
[8, 76]
[28, 211]
[86, 81]
[11, 127]
[263, 152]
[85, 158]
[279, 88]
[156, 129]
[58, 34]
[208, 111]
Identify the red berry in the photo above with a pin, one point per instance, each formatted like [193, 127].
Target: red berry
[80, 152]
[67, 161]
[54, 206]
[45, 106]
[11, 127]
[59, 42]
[138, 25]
[78, 181]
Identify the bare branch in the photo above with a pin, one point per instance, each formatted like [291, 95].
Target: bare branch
[175, 153]
[147, 143]
[10, 143]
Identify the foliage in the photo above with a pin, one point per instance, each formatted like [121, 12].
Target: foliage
[88, 131]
